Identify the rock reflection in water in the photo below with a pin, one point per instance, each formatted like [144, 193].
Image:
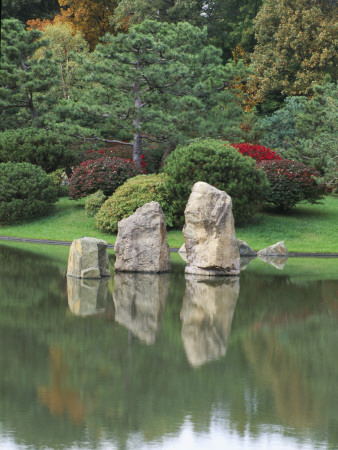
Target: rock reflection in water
[139, 300]
[207, 312]
[87, 297]
[275, 261]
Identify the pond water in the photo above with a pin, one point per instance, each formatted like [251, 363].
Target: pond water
[167, 361]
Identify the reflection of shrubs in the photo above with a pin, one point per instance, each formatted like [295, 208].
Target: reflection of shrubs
[104, 174]
[290, 183]
[25, 192]
[222, 166]
[94, 202]
[257, 152]
[43, 148]
[133, 194]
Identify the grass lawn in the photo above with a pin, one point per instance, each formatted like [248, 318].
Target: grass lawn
[309, 228]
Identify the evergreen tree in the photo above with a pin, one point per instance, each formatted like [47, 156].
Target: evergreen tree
[23, 79]
[161, 82]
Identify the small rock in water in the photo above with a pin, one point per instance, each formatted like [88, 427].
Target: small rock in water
[88, 258]
[278, 249]
[245, 249]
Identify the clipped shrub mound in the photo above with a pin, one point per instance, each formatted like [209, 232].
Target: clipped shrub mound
[43, 148]
[221, 165]
[133, 194]
[94, 202]
[257, 152]
[26, 192]
[105, 174]
[290, 183]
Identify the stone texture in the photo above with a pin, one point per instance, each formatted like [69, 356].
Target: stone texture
[276, 261]
[87, 297]
[207, 312]
[244, 249]
[139, 300]
[209, 233]
[141, 244]
[88, 258]
[278, 249]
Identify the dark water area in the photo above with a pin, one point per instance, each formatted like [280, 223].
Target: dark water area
[167, 361]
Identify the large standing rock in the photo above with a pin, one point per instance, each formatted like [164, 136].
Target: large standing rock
[209, 233]
[139, 300]
[207, 312]
[141, 244]
[88, 258]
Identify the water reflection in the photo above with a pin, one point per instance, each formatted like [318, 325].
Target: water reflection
[139, 300]
[87, 297]
[207, 312]
[276, 261]
[73, 382]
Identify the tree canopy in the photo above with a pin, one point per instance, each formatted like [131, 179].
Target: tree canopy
[296, 46]
[162, 82]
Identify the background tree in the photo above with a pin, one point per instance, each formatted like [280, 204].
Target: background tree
[24, 10]
[91, 17]
[306, 130]
[230, 24]
[65, 46]
[161, 82]
[131, 12]
[22, 78]
[296, 45]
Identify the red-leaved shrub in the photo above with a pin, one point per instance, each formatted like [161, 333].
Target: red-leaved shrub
[104, 173]
[257, 152]
[290, 183]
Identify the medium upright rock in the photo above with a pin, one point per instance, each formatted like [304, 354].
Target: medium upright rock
[141, 244]
[88, 258]
[209, 233]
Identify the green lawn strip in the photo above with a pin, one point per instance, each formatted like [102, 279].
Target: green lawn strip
[309, 228]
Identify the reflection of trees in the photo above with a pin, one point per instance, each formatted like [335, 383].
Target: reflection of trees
[60, 398]
[139, 300]
[207, 312]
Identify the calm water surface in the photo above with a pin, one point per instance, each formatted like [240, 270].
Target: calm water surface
[167, 362]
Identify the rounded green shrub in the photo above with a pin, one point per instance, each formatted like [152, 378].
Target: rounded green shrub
[94, 202]
[26, 192]
[220, 165]
[133, 194]
[290, 183]
[43, 148]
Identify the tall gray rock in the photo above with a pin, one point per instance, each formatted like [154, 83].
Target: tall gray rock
[88, 258]
[141, 244]
[209, 233]
[207, 313]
